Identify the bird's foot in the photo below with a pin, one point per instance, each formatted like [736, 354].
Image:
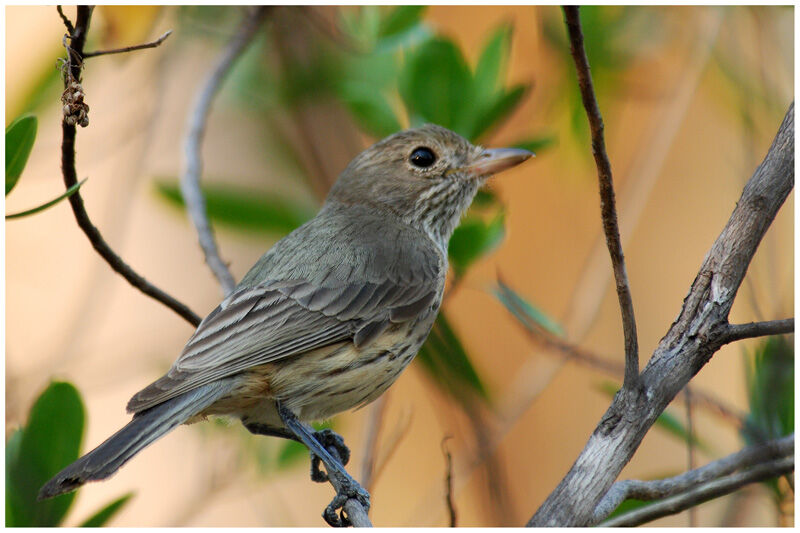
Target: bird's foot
[346, 488]
[334, 443]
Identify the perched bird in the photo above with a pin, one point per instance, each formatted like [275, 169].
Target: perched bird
[327, 319]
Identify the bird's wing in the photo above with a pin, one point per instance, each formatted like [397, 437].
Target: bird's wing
[278, 319]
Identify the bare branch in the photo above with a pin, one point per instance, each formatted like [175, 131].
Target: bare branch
[67, 23]
[607, 200]
[690, 440]
[448, 482]
[663, 488]
[151, 44]
[73, 71]
[691, 341]
[195, 130]
[704, 492]
[736, 332]
[573, 352]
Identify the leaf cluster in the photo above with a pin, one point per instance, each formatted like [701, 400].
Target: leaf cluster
[49, 441]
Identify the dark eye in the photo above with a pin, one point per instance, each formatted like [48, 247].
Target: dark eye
[422, 157]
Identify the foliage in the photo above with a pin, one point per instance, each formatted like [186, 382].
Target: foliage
[614, 37]
[529, 315]
[20, 136]
[444, 358]
[769, 373]
[243, 209]
[49, 441]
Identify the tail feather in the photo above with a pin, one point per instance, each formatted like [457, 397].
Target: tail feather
[146, 427]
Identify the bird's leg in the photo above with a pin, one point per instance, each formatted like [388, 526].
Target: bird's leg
[328, 438]
[318, 444]
[263, 429]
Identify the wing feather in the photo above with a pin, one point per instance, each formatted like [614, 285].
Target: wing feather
[289, 304]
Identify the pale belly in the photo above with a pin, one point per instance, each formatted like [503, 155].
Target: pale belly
[319, 384]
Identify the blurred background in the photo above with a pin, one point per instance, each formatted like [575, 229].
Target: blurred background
[691, 98]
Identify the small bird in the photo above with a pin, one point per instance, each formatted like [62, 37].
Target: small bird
[326, 319]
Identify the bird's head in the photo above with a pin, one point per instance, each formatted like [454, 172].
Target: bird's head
[426, 176]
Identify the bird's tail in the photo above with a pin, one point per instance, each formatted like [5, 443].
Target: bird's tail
[146, 427]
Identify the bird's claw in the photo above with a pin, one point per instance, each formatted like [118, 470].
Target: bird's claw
[334, 443]
[349, 489]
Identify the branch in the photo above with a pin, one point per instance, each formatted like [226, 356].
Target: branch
[691, 481]
[448, 482]
[195, 131]
[736, 332]
[72, 79]
[125, 49]
[355, 513]
[697, 333]
[607, 200]
[575, 353]
[705, 492]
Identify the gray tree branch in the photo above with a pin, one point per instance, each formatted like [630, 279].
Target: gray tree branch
[195, 131]
[704, 492]
[694, 337]
[736, 332]
[689, 481]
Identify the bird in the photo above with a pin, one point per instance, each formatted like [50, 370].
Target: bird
[327, 318]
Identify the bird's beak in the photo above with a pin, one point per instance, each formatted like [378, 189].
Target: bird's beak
[495, 160]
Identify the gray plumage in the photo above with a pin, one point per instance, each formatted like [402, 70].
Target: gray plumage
[327, 319]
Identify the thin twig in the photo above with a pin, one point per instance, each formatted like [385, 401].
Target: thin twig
[691, 480]
[607, 200]
[736, 332]
[393, 439]
[151, 44]
[75, 50]
[578, 354]
[195, 130]
[448, 481]
[690, 455]
[67, 23]
[703, 493]
[374, 425]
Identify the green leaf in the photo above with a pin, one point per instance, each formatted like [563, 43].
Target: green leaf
[101, 517]
[370, 108]
[12, 456]
[627, 505]
[485, 198]
[672, 425]
[20, 136]
[444, 358]
[243, 208]
[435, 85]
[69, 192]
[291, 451]
[473, 239]
[401, 19]
[770, 386]
[523, 310]
[491, 68]
[498, 110]
[50, 441]
[537, 144]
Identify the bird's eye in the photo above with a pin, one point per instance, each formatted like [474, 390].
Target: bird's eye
[422, 157]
